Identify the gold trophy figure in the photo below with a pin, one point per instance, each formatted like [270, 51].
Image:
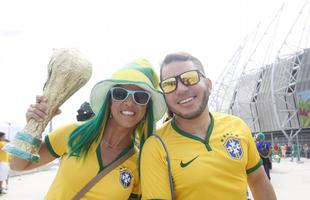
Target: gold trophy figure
[68, 71]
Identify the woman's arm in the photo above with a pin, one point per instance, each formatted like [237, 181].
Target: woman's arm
[38, 112]
[19, 164]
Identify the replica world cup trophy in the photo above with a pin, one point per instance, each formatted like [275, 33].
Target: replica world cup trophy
[68, 71]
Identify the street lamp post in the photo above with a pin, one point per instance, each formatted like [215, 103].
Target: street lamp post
[9, 130]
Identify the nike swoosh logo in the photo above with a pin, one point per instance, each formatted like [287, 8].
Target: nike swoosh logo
[187, 163]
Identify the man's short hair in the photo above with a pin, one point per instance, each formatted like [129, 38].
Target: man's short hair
[183, 57]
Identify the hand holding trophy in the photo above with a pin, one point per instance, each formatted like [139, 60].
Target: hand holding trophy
[68, 71]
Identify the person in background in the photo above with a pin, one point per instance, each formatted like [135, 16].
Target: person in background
[264, 149]
[283, 150]
[126, 108]
[275, 149]
[84, 112]
[296, 150]
[289, 149]
[198, 154]
[305, 149]
[4, 165]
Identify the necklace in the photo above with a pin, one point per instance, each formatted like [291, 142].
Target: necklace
[110, 146]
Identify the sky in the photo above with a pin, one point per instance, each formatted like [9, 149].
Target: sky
[111, 34]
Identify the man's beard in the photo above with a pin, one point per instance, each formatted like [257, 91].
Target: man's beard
[196, 113]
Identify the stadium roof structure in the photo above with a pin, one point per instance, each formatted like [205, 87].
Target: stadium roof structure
[267, 82]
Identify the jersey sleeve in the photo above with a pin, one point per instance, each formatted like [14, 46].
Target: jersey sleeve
[154, 171]
[254, 160]
[57, 140]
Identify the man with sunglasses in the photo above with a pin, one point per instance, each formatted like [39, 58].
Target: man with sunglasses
[198, 154]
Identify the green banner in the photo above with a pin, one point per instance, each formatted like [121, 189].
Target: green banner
[304, 108]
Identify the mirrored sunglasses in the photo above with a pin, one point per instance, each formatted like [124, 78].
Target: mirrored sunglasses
[188, 78]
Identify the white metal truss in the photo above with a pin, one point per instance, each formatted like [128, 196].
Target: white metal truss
[285, 73]
[263, 91]
[249, 82]
[224, 83]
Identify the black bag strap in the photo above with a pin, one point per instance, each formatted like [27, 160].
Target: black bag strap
[169, 165]
[104, 172]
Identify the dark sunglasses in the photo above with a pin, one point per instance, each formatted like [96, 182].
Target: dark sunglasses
[121, 94]
[188, 78]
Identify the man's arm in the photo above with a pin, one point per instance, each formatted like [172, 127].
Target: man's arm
[269, 150]
[260, 185]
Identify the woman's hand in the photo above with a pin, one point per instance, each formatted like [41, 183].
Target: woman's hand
[38, 111]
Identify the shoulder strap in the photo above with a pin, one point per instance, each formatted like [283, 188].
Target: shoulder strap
[104, 172]
[169, 166]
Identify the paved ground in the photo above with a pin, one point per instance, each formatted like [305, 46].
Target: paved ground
[291, 181]
[32, 186]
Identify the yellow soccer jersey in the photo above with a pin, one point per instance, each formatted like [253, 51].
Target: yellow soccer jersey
[4, 156]
[121, 183]
[215, 168]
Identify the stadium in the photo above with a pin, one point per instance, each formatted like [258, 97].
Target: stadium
[267, 82]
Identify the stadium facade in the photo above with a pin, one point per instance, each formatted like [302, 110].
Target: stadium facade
[274, 99]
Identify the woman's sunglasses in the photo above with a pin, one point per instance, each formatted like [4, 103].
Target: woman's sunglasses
[188, 78]
[121, 94]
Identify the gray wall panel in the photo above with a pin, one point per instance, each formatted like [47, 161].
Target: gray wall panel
[303, 80]
[242, 105]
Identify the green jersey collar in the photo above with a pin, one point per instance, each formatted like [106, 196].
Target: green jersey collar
[99, 156]
[185, 134]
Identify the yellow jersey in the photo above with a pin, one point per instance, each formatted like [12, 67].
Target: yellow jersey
[215, 168]
[4, 156]
[121, 183]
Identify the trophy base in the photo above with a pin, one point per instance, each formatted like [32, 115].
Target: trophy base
[21, 153]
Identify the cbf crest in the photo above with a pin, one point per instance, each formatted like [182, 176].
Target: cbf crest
[125, 177]
[233, 146]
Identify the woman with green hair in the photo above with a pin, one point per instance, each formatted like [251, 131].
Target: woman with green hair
[100, 157]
